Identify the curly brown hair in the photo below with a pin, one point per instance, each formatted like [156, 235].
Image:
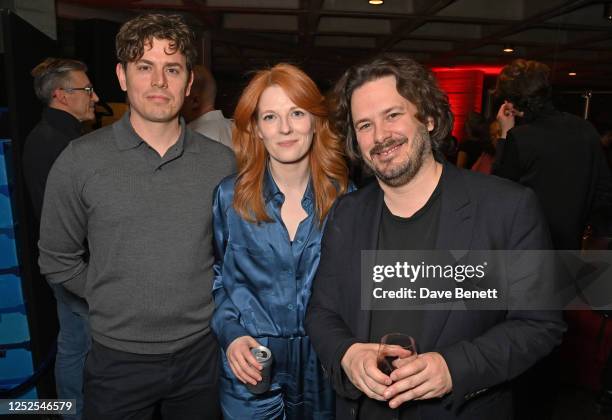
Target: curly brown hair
[140, 31]
[414, 82]
[526, 84]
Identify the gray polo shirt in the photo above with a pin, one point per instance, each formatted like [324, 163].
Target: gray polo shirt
[148, 224]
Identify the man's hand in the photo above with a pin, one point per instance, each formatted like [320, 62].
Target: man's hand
[241, 360]
[359, 364]
[506, 117]
[420, 378]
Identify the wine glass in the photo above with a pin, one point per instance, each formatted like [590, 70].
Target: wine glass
[394, 346]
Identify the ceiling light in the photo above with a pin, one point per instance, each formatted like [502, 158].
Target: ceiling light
[376, 2]
[608, 11]
[571, 73]
[508, 49]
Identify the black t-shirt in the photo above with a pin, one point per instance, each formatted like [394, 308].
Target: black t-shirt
[418, 232]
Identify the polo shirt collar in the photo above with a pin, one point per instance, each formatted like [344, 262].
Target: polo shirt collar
[126, 137]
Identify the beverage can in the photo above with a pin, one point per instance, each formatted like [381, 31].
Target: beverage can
[263, 355]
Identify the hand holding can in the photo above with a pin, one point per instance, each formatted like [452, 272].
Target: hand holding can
[263, 355]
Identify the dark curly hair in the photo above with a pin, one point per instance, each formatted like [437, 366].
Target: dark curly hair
[414, 82]
[526, 84]
[140, 31]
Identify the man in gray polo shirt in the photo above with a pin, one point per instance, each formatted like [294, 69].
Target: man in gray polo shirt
[139, 193]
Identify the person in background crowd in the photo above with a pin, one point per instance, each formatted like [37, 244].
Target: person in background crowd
[471, 148]
[606, 143]
[63, 87]
[393, 115]
[199, 108]
[494, 132]
[557, 155]
[268, 223]
[484, 163]
[450, 148]
[140, 192]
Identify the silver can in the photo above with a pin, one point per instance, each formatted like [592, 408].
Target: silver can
[263, 355]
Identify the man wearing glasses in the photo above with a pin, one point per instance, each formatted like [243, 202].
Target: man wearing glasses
[69, 98]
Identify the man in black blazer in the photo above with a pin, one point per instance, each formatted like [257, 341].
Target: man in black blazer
[559, 156]
[394, 117]
[556, 154]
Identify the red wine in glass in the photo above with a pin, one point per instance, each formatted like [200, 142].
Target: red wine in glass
[385, 364]
[393, 346]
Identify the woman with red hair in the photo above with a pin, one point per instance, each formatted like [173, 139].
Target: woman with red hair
[268, 222]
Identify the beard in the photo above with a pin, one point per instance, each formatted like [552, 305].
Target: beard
[403, 172]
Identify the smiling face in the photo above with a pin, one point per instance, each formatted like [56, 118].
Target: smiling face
[156, 84]
[392, 141]
[285, 128]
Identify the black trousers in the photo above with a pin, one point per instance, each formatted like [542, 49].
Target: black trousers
[127, 386]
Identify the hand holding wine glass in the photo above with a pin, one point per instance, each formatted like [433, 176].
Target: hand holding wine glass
[394, 346]
[360, 366]
[420, 377]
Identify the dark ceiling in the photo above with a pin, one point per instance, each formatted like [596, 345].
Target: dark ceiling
[324, 36]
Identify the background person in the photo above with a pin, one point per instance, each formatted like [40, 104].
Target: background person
[471, 148]
[484, 163]
[556, 154]
[559, 157]
[199, 108]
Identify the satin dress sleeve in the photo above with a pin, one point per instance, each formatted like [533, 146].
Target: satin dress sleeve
[226, 318]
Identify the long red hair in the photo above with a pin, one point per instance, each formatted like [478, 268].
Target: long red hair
[328, 169]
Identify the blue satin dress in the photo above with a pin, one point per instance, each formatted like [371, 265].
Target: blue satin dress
[261, 288]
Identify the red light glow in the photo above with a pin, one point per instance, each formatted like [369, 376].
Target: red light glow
[488, 70]
[463, 85]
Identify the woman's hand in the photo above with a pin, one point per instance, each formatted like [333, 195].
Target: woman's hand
[241, 360]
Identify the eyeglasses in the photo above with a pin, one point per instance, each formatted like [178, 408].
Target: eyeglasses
[88, 89]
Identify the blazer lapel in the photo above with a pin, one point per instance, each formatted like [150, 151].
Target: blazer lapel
[370, 216]
[454, 233]
[457, 214]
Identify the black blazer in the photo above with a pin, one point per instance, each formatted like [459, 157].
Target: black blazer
[483, 349]
[559, 156]
[43, 145]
